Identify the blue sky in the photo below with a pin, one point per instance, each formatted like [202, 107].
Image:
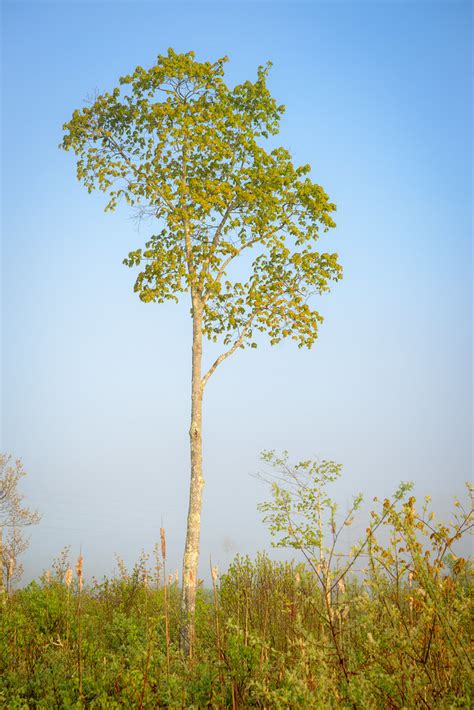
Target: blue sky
[95, 388]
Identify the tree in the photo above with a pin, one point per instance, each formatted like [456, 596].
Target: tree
[176, 143]
[14, 516]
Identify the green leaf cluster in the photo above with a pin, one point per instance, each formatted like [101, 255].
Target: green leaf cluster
[180, 146]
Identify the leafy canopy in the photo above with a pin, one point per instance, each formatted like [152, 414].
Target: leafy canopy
[176, 143]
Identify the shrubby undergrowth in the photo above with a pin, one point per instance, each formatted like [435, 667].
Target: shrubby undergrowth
[386, 625]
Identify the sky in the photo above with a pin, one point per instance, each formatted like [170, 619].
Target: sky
[96, 385]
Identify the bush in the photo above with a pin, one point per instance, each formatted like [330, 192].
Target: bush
[385, 626]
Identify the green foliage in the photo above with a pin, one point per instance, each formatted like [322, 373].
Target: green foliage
[391, 630]
[180, 146]
[414, 595]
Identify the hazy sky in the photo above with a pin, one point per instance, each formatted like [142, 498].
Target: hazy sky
[96, 385]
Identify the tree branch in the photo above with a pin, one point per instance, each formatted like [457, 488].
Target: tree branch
[228, 352]
[246, 245]
[217, 234]
[132, 167]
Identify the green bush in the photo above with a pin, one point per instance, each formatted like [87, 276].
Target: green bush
[386, 625]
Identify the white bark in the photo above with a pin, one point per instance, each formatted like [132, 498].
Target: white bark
[193, 531]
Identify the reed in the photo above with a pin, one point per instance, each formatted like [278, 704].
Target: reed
[166, 605]
[68, 582]
[80, 582]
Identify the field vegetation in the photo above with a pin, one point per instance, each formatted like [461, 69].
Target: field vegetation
[386, 624]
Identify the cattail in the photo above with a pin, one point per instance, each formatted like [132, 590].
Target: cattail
[214, 574]
[68, 577]
[163, 543]
[79, 570]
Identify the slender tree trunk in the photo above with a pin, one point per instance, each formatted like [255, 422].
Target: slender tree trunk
[193, 531]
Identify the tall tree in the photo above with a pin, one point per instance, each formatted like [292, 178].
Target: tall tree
[177, 143]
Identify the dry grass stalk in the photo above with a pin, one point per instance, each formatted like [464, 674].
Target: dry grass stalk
[165, 586]
[163, 543]
[158, 565]
[214, 576]
[79, 562]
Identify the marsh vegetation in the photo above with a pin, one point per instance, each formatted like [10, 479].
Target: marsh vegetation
[386, 624]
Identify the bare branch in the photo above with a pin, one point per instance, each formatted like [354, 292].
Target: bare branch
[229, 352]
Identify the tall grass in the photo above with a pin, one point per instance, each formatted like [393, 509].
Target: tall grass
[392, 630]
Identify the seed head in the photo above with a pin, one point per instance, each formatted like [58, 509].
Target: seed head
[163, 543]
[79, 570]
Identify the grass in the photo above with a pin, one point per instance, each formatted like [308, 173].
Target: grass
[390, 626]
